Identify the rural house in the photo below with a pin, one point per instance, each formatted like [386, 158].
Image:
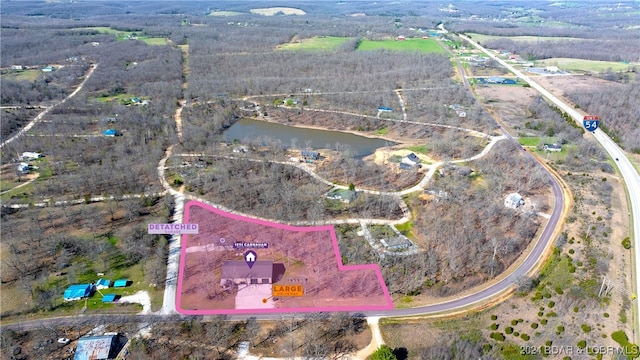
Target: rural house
[101, 347]
[552, 147]
[78, 291]
[345, 196]
[513, 201]
[310, 155]
[103, 284]
[238, 272]
[28, 155]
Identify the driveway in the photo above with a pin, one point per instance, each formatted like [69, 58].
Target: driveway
[254, 296]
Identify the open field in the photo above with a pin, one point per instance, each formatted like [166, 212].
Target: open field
[586, 65]
[319, 43]
[422, 45]
[128, 35]
[224, 13]
[278, 10]
[481, 38]
[22, 75]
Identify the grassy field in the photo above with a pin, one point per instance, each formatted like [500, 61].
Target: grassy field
[224, 13]
[318, 43]
[529, 141]
[586, 65]
[125, 35]
[423, 45]
[24, 75]
[481, 38]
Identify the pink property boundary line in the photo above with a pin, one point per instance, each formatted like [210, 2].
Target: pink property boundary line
[336, 249]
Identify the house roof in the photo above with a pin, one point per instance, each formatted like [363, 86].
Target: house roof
[342, 194]
[103, 282]
[78, 291]
[120, 283]
[110, 132]
[95, 348]
[413, 157]
[234, 269]
[109, 298]
[309, 153]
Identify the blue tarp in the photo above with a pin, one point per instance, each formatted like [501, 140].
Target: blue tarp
[78, 291]
[110, 132]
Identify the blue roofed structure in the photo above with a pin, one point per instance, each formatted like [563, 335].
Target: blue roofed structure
[96, 348]
[111, 132]
[385, 109]
[120, 283]
[78, 291]
[103, 284]
[107, 298]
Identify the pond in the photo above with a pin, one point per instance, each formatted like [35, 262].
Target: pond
[249, 130]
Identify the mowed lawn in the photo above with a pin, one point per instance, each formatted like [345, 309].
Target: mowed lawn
[319, 43]
[482, 38]
[586, 65]
[422, 45]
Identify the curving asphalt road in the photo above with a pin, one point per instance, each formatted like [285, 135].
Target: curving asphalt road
[628, 172]
[490, 292]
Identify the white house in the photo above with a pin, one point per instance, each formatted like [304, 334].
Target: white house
[552, 147]
[28, 155]
[17, 67]
[513, 201]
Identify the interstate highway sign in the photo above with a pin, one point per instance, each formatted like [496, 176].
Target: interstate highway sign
[591, 122]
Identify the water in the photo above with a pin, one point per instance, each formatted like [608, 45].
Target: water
[247, 130]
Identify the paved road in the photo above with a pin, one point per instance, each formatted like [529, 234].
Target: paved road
[502, 286]
[628, 172]
[47, 109]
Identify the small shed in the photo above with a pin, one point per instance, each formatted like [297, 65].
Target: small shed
[23, 167]
[385, 109]
[103, 284]
[108, 298]
[120, 283]
[78, 291]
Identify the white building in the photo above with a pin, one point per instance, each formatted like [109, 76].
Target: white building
[28, 155]
[513, 201]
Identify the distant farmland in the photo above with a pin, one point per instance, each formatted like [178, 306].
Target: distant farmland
[320, 43]
[423, 45]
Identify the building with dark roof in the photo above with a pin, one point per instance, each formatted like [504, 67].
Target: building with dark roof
[310, 155]
[239, 272]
